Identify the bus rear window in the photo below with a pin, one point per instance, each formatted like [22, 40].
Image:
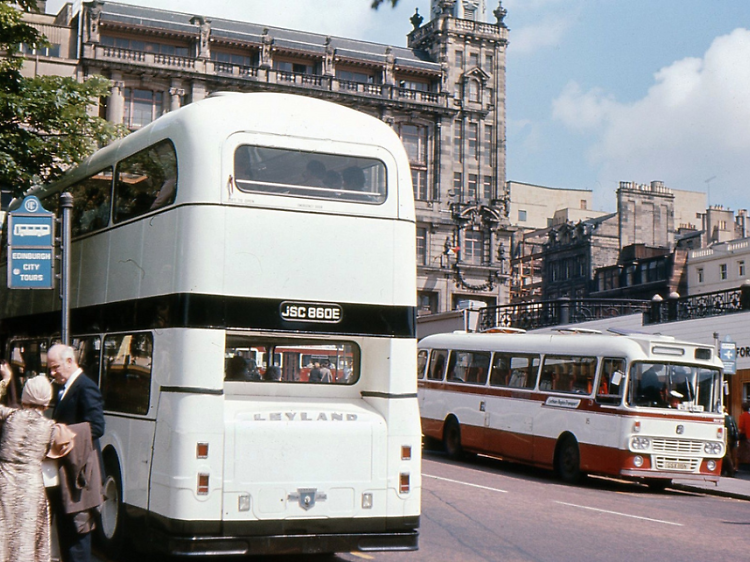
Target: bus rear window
[306, 174]
[290, 361]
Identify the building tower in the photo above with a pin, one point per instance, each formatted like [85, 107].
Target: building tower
[462, 213]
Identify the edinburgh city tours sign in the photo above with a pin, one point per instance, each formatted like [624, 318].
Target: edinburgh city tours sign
[30, 246]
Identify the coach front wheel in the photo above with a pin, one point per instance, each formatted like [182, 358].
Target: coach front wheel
[568, 460]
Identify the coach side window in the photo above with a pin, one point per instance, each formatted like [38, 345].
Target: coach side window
[468, 366]
[516, 371]
[126, 376]
[91, 202]
[437, 364]
[145, 181]
[421, 363]
[568, 374]
[611, 381]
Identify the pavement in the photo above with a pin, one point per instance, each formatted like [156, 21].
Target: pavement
[737, 487]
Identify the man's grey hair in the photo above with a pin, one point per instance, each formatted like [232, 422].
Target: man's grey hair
[64, 352]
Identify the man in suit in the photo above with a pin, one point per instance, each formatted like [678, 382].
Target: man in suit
[79, 401]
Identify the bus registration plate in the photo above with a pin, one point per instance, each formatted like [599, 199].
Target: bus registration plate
[674, 465]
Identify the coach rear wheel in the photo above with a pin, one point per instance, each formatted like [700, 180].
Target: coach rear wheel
[568, 460]
[110, 531]
[452, 439]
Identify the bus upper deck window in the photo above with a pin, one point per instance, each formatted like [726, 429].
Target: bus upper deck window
[297, 173]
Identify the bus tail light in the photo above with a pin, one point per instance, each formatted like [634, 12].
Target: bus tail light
[202, 484]
[720, 433]
[637, 427]
[201, 451]
[403, 483]
[405, 452]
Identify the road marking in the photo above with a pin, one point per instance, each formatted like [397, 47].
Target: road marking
[360, 555]
[622, 514]
[465, 483]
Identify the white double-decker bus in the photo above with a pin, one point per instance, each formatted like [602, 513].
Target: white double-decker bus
[243, 290]
[640, 407]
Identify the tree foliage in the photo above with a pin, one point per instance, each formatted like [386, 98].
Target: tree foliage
[45, 126]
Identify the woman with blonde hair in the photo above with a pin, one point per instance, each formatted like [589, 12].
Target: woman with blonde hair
[26, 438]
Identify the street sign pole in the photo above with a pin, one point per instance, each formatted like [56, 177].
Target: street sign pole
[66, 205]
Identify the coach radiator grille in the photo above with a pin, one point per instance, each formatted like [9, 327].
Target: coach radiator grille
[677, 446]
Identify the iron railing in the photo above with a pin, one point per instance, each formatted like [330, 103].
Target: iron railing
[542, 314]
[698, 306]
[531, 315]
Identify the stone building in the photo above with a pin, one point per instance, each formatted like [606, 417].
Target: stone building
[533, 210]
[633, 253]
[444, 94]
[533, 206]
[572, 254]
[718, 267]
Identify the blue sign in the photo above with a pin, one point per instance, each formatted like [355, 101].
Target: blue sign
[30, 268]
[30, 246]
[31, 225]
[728, 356]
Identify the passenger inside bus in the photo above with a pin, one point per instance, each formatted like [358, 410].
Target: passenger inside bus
[453, 375]
[314, 174]
[650, 389]
[239, 369]
[680, 382]
[517, 378]
[273, 373]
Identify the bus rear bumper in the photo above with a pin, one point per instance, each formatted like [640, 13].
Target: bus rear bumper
[289, 544]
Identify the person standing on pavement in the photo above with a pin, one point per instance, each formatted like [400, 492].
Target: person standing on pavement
[729, 464]
[743, 455]
[79, 401]
[27, 438]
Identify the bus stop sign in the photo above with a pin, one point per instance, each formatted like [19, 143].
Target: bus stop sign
[30, 246]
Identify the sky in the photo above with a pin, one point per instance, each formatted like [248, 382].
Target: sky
[598, 91]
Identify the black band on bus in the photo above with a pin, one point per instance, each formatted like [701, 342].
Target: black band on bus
[187, 310]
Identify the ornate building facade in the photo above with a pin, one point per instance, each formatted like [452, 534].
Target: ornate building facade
[444, 94]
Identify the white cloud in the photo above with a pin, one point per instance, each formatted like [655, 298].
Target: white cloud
[582, 111]
[546, 33]
[693, 123]
[543, 23]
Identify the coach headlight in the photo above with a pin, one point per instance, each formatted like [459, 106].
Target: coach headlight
[638, 443]
[713, 448]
